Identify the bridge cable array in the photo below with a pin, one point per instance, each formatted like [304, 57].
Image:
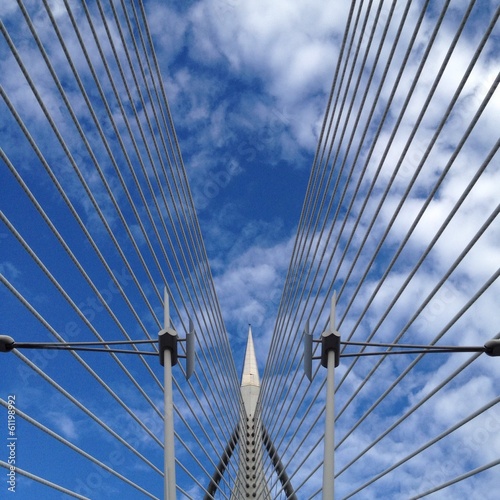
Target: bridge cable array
[399, 218]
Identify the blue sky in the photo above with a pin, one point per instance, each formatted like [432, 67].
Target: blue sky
[248, 86]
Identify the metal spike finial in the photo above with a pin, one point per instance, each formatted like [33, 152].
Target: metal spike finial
[333, 306]
[166, 309]
[167, 337]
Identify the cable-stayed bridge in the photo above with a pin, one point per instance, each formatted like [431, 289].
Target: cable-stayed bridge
[100, 213]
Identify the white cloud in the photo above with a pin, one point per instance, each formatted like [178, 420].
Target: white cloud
[65, 424]
[249, 287]
[291, 53]
[9, 270]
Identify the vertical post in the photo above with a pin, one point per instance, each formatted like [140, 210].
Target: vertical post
[330, 357]
[329, 450]
[169, 451]
[168, 343]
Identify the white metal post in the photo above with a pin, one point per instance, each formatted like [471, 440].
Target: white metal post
[330, 356]
[169, 450]
[169, 489]
[329, 450]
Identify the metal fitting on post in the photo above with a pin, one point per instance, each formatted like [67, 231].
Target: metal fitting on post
[330, 339]
[492, 347]
[6, 343]
[167, 339]
[329, 342]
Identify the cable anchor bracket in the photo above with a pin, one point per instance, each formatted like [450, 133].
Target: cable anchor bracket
[330, 338]
[168, 340]
[330, 341]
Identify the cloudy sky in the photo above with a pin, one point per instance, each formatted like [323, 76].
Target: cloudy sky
[327, 146]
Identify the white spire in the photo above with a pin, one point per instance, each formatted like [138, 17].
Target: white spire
[251, 480]
[250, 371]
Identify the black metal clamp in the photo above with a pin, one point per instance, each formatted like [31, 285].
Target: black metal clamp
[167, 340]
[330, 341]
[492, 347]
[6, 343]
